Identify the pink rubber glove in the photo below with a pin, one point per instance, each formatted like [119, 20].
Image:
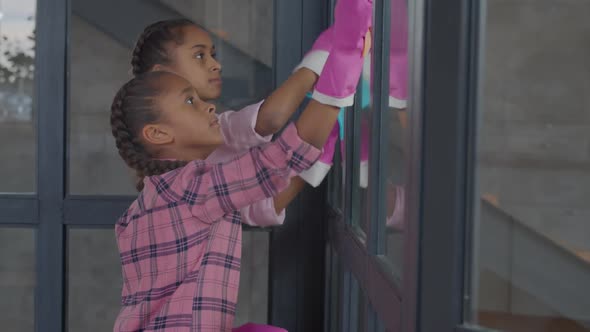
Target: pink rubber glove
[251, 327]
[398, 55]
[315, 59]
[318, 171]
[340, 75]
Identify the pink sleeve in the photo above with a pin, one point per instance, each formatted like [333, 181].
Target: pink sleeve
[212, 191]
[238, 128]
[262, 214]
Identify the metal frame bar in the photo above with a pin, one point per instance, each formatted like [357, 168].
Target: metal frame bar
[416, 14]
[50, 66]
[379, 134]
[372, 277]
[446, 162]
[345, 304]
[286, 53]
[19, 210]
[476, 39]
[352, 199]
[94, 211]
[296, 281]
[353, 312]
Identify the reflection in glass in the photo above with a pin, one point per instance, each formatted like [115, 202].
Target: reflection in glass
[395, 117]
[393, 149]
[533, 258]
[17, 71]
[336, 178]
[363, 145]
[361, 312]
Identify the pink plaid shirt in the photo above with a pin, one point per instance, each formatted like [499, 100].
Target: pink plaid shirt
[180, 241]
[239, 134]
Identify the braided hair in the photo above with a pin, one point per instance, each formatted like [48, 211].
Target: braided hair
[150, 48]
[133, 107]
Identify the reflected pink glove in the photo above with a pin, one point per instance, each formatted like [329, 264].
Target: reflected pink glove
[318, 171]
[315, 59]
[396, 221]
[364, 153]
[398, 55]
[340, 75]
[251, 327]
[398, 93]
[398, 76]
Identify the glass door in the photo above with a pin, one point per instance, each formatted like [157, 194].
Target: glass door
[372, 229]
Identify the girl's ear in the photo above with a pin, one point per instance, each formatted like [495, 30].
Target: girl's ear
[159, 67]
[157, 134]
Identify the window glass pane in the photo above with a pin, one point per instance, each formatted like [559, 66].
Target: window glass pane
[243, 36]
[363, 146]
[94, 272]
[395, 146]
[253, 293]
[17, 279]
[359, 304]
[375, 322]
[335, 295]
[17, 118]
[532, 270]
[338, 173]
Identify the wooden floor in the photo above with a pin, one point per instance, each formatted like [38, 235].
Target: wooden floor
[523, 323]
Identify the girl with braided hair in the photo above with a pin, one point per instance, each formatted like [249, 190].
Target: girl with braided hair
[180, 240]
[186, 49]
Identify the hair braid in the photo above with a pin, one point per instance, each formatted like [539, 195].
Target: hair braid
[128, 114]
[150, 48]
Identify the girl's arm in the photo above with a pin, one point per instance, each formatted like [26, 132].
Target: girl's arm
[271, 211]
[278, 108]
[285, 197]
[314, 126]
[212, 191]
[316, 122]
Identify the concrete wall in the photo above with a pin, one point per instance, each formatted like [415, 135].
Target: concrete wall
[535, 130]
[246, 24]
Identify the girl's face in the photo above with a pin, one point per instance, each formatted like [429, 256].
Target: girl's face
[195, 60]
[188, 125]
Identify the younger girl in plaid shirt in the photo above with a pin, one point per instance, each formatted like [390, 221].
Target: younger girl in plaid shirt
[180, 241]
